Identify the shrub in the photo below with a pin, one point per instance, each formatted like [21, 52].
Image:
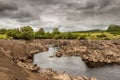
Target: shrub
[82, 37]
[101, 35]
[2, 36]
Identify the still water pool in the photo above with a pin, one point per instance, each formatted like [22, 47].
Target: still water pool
[75, 66]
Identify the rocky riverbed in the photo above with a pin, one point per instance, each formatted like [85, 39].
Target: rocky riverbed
[94, 53]
[16, 57]
[16, 61]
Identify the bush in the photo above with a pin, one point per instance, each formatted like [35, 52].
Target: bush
[101, 35]
[106, 38]
[82, 37]
[2, 36]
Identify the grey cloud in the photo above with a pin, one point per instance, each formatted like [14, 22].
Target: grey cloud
[6, 6]
[94, 4]
[81, 14]
[24, 15]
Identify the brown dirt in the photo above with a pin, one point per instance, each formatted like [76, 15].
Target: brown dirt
[16, 61]
[12, 51]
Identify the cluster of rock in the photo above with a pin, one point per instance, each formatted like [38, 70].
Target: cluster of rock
[94, 53]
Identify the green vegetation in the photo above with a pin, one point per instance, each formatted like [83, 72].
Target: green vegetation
[56, 31]
[27, 33]
[40, 34]
[114, 29]
[2, 36]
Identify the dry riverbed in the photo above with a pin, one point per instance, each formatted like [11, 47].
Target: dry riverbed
[16, 61]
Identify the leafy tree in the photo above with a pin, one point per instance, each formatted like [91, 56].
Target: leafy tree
[27, 33]
[15, 33]
[48, 35]
[40, 33]
[3, 31]
[56, 31]
[115, 29]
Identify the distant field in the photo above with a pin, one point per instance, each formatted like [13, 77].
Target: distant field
[96, 35]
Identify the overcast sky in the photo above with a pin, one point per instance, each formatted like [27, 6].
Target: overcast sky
[68, 15]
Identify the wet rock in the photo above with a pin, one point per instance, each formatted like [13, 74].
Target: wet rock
[34, 68]
[51, 56]
[34, 51]
[58, 54]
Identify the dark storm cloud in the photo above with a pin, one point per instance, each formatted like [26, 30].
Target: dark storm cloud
[6, 6]
[81, 14]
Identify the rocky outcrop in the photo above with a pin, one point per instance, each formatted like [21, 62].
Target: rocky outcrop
[94, 53]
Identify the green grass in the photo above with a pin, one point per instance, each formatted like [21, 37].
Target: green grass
[100, 35]
[2, 36]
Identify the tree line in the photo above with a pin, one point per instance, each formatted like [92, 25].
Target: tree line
[27, 33]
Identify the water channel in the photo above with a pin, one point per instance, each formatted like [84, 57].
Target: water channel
[75, 66]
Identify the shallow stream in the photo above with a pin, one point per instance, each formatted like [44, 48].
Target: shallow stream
[75, 66]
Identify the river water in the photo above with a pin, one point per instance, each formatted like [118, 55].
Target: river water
[75, 66]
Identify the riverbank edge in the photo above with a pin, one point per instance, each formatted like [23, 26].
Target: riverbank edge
[20, 53]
